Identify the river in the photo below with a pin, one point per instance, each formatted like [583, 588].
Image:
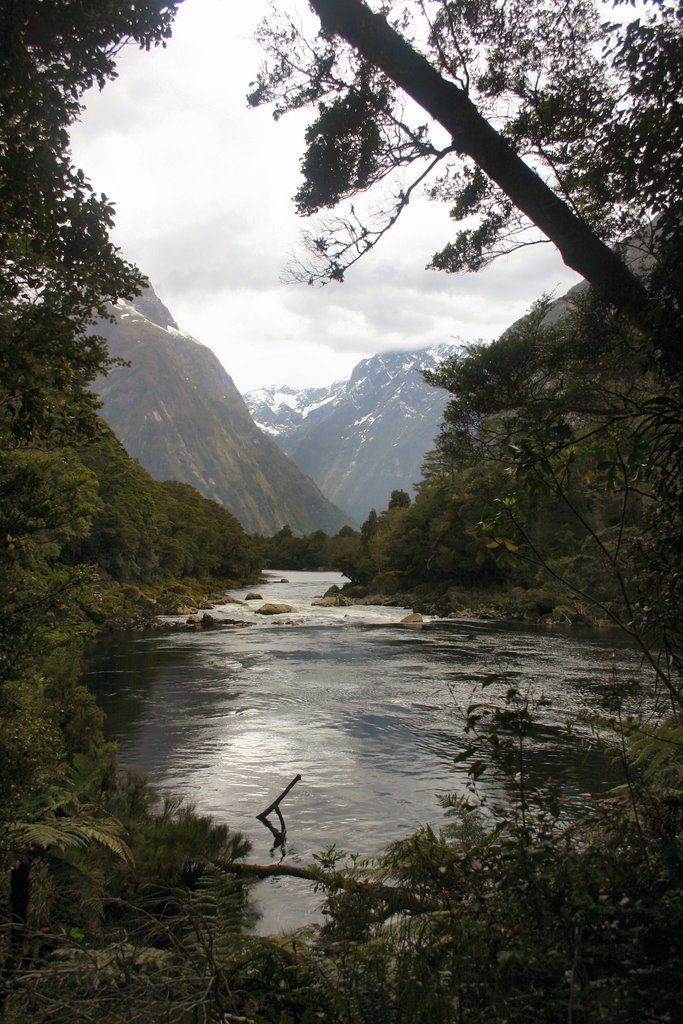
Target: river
[367, 711]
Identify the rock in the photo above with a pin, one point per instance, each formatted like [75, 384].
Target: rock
[413, 621]
[204, 621]
[206, 607]
[334, 589]
[284, 581]
[333, 601]
[188, 609]
[253, 596]
[274, 609]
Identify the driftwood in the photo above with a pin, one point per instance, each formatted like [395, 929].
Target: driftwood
[281, 832]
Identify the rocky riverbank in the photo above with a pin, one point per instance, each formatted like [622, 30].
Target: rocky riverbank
[112, 606]
[542, 606]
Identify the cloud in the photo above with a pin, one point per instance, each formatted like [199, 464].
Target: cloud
[203, 189]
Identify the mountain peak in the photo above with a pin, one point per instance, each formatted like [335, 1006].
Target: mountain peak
[177, 411]
[149, 306]
[362, 438]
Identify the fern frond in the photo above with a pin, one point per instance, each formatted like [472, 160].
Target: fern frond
[73, 833]
[652, 748]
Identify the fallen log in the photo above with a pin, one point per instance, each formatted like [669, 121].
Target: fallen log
[275, 870]
[395, 896]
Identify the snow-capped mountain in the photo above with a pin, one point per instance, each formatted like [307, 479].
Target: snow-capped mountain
[363, 438]
[176, 410]
[281, 411]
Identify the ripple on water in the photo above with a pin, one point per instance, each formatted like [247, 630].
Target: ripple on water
[369, 714]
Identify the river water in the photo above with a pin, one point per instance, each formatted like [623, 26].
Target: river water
[369, 712]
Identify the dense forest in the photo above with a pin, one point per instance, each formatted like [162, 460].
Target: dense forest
[558, 470]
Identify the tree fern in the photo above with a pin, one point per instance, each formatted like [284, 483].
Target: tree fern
[71, 833]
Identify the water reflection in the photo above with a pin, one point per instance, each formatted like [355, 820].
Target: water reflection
[368, 713]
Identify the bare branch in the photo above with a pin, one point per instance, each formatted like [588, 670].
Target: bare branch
[337, 243]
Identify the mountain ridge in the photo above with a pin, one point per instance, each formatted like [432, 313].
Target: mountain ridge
[177, 411]
[364, 437]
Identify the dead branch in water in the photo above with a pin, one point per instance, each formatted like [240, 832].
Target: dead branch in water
[275, 806]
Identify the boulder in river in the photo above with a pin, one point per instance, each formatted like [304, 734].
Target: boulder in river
[333, 601]
[413, 621]
[210, 621]
[204, 621]
[253, 596]
[333, 590]
[274, 609]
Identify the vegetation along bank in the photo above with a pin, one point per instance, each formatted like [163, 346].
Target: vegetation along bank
[558, 466]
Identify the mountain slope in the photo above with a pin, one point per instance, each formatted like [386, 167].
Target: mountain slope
[176, 410]
[362, 438]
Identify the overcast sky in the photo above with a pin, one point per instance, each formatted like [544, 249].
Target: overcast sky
[203, 189]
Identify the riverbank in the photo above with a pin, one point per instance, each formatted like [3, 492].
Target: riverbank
[130, 607]
[537, 606]
[110, 606]
[368, 712]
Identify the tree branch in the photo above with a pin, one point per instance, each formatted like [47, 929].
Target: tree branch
[473, 136]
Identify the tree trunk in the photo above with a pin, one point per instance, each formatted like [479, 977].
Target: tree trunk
[473, 136]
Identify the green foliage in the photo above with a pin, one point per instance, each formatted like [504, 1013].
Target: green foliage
[46, 501]
[431, 540]
[591, 106]
[314, 551]
[58, 268]
[345, 145]
[144, 531]
[512, 914]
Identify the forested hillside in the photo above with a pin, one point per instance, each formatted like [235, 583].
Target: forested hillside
[537, 484]
[87, 536]
[560, 460]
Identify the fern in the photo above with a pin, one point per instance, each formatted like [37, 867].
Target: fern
[655, 747]
[72, 833]
[221, 902]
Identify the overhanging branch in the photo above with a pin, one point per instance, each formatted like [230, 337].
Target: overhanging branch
[581, 249]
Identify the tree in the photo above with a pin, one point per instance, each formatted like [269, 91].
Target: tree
[399, 499]
[58, 267]
[558, 160]
[586, 444]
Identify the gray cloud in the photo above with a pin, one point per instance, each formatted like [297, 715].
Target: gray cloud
[203, 192]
